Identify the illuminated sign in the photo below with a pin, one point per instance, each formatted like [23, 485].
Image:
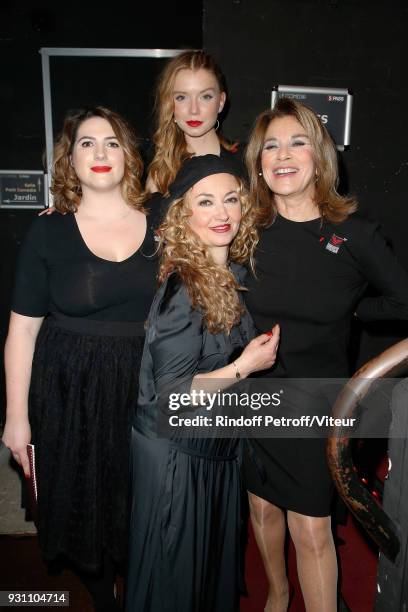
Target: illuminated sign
[332, 105]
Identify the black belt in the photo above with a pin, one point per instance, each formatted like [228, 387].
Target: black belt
[91, 327]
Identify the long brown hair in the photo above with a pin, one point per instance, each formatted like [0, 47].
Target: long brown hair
[65, 185]
[170, 144]
[332, 205]
[211, 287]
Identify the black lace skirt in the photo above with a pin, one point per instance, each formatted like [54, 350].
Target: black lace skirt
[82, 398]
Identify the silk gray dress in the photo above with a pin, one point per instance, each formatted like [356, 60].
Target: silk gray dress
[185, 521]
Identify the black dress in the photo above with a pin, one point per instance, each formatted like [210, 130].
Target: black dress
[235, 153]
[185, 522]
[84, 384]
[310, 278]
[236, 156]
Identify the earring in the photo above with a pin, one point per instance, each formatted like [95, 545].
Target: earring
[217, 125]
[260, 174]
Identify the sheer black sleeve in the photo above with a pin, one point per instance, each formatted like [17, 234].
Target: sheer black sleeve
[31, 288]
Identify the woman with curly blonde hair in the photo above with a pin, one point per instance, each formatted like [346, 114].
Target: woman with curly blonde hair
[210, 286]
[190, 99]
[82, 294]
[185, 522]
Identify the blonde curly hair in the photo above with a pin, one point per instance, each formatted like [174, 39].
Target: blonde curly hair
[65, 185]
[170, 144]
[211, 287]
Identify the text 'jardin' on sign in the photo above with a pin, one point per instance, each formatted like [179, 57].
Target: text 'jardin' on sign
[22, 189]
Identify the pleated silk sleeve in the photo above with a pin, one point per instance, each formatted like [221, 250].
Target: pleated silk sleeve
[175, 340]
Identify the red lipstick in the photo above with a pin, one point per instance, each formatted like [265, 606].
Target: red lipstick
[221, 228]
[101, 168]
[194, 123]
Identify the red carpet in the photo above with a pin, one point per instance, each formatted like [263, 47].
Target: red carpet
[358, 566]
[357, 554]
[22, 569]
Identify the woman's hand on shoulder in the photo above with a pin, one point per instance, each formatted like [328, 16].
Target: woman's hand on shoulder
[150, 186]
[260, 353]
[16, 436]
[48, 211]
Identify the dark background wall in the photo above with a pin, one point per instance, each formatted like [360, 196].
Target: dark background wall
[25, 27]
[359, 44]
[356, 44]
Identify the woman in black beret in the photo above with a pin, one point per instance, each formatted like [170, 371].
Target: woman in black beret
[184, 548]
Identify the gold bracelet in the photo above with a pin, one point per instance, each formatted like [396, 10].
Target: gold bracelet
[237, 374]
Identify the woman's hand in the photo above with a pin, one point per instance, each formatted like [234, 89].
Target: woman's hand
[150, 186]
[18, 357]
[48, 211]
[16, 436]
[259, 354]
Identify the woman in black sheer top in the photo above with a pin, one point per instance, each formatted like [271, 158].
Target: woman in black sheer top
[85, 281]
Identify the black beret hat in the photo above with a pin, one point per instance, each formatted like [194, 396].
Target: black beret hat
[196, 168]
